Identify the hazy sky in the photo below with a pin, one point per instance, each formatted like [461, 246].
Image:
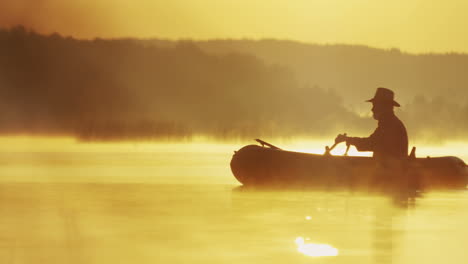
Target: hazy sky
[412, 25]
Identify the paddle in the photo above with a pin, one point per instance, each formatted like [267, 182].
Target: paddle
[328, 149]
[263, 143]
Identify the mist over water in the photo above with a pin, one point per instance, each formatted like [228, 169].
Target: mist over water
[64, 159]
[130, 89]
[179, 203]
[118, 151]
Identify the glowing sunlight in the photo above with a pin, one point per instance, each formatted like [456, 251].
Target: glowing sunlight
[315, 250]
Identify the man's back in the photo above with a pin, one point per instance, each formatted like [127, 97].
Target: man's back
[389, 140]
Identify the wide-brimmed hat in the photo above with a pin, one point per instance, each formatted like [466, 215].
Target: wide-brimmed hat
[384, 96]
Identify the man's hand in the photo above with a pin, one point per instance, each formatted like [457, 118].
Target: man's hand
[341, 138]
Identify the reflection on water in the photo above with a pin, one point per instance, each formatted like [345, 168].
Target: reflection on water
[364, 228]
[185, 207]
[315, 250]
[164, 223]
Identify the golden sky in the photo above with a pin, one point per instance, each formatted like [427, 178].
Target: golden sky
[412, 25]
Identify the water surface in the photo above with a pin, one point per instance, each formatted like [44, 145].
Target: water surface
[174, 206]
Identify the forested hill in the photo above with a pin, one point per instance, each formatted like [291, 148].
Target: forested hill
[354, 71]
[134, 89]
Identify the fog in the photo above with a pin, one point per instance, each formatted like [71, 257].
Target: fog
[132, 89]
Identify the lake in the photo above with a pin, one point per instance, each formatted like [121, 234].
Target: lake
[179, 203]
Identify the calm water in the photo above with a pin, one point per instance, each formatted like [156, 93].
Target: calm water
[170, 206]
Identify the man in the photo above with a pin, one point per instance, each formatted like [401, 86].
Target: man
[389, 140]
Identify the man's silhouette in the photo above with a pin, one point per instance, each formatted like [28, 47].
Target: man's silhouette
[389, 140]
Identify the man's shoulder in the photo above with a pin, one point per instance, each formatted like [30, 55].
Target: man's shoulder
[398, 120]
[392, 121]
[398, 125]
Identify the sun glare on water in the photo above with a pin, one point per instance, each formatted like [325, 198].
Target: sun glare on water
[315, 250]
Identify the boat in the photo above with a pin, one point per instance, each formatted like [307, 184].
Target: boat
[267, 165]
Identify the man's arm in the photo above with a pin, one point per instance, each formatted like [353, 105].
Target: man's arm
[362, 144]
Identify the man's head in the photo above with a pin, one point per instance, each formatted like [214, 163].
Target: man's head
[383, 103]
